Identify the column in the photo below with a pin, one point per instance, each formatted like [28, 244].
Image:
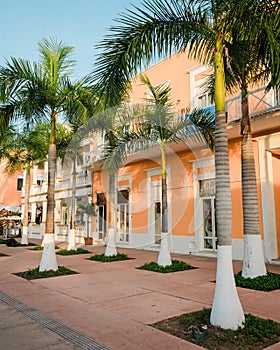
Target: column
[267, 199]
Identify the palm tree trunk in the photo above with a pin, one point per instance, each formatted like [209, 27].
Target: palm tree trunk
[72, 233]
[24, 238]
[164, 258]
[253, 258]
[48, 260]
[111, 239]
[227, 311]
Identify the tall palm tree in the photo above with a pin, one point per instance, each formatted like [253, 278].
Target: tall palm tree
[253, 59]
[152, 31]
[22, 151]
[43, 90]
[111, 250]
[158, 125]
[68, 155]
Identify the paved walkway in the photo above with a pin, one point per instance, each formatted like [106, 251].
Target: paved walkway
[108, 305]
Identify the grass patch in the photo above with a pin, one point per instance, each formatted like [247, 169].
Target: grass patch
[256, 334]
[103, 258]
[38, 247]
[2, 241]
[175, 267]
[266, 283]
[33, 274]
[2, 254]
[73, 252]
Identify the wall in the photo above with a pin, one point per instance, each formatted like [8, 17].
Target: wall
[9, 196]
[173, 70]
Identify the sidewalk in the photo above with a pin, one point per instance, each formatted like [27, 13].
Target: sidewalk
[113, 304]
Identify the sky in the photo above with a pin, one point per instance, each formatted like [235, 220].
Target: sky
[78, 23]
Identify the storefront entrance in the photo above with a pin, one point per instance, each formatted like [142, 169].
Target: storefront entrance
[210, 236]
[123, 215]
[207, 196]
[101, 224]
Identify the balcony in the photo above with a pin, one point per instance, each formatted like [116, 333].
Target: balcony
[260, 101]
[89, 158]
[83, 180]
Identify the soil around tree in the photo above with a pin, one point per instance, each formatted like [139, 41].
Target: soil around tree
[113, 258]
[257, 333]
[33, 274]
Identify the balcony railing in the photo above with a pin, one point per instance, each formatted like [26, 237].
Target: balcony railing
[63, 185]
[83, 180]
[93, 156]
[260, 101]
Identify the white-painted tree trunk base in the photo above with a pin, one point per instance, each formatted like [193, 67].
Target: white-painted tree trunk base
[164, 257]
[227, 311]
[111, 243]
[48, 260]
[72, 240]
[24, 236]
[253, 260]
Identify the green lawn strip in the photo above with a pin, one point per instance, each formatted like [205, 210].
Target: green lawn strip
[266, 283]
[256, 333]
[103, 258]
[73, 252]
[175, 267]
[38, 247]
[2, 241]
[32, 274]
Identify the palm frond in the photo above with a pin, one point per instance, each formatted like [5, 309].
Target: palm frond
[55, 57]
[144, 34]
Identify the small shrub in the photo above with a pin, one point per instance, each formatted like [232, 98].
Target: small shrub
[202, 315]
[72, 252]
[176, 266]
[2, 241]
[35, 273]
[256, 333]
[103, 258]
[266, 283]
[38, 247]
[257, 329]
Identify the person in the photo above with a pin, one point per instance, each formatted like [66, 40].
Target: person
[39, 211]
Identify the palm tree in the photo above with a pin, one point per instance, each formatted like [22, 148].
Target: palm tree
[246, 69]
[251, 61]
[68, 156]
[23, 151]
[43, 90]
[83, 121]
[111, 249]
[152, 31]
[156, 124]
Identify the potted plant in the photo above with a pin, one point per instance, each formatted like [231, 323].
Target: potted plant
[87, 210]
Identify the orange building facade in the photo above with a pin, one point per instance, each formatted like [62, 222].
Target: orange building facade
[10, 189]
[191, 173]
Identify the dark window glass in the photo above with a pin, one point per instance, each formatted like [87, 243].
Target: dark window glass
[19, 184]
